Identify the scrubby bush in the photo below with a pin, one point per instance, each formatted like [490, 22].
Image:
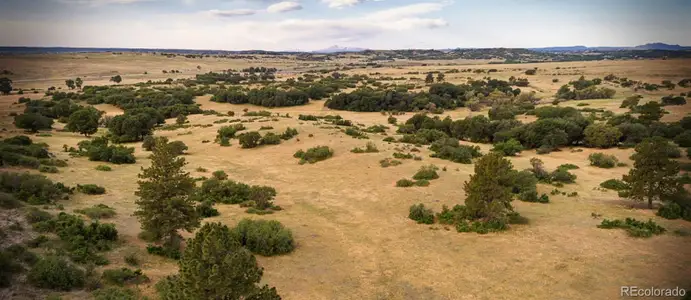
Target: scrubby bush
[55, 273]
[228, 132]
[124, 276]
[177, 147]
[115, 293]
[47, 169]
[32, 188]
[426, 173]
[8, 201]
[289, 133]
[91, 189]
[392, 120]
[602, 160]
[250, 139]
[355, 133]
[601, 135]
[388, 162]
[562, 176]
[220, 175]
[33, 122]
[313, 155]
[369, 148]
[683, 139]
[103, 168]
[508, 148]
[98, 211]
[405, 183]
[168, 252]
[207, 210]
[614, 184]
[264, 237]
[270, 139]
[634, 227]
[82, 240]
[568, 167]
[420, 214]
[98, 149]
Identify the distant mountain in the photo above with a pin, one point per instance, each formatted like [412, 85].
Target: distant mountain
[649, 46]
[338, 49]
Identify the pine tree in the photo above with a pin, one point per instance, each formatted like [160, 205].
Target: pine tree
[654, 175]
[489, 189]
[215, 266]
[164, 205]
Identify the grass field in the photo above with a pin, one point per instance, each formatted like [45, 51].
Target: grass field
[354, 240]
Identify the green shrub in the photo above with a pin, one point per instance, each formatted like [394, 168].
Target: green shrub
[568, 167]
[82, 241]
[270, 139]
[220, 175]
[391, 120]
[452, 216]
[508, 148]
[177, 147]
[389, 139]
[355, 133]
[91, 189]
[420, 214]
[99, 211]
[250, 139]
[8, 201]
[614, 184]
[124, 276]
[206, 209]
[37, 241]
[427, 173]
[35, 215]
[55, 273]
[388, 162]
[670, 211]
[132, 259]
[422, 182]
[685, 167]
[165, 252]
[369, 148]
[264, 237]
[114, 293]
[602, 160]
[633, 227]
[261, 113]
[104, 168]
[33, 188]
[531, 196]
[47, 169]
[562, 176]
[405, 183]
[289, 133]
[313, 155]
[53, 162]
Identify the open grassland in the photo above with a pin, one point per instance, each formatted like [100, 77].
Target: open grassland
[354, 240]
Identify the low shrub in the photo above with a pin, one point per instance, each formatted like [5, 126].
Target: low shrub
[220, 175]
[131, 259]
[422, 182]
[427, 173]
[602, 160]
[55, 273]
[369, 148]
[562, 176]
[633, 227]
[47, 169]
[91, 189]
[313, 155]
[264, 237]
[82, 241]
[99, 211]
[405, 183]
[165, 252]
[8, 201]
[531, 196]
[53, 162]
[614, 184]
[420, 214]
[270, 139]
[33, 188]
[568, 167]
[388, 162]
[207, 210]
[114, 293]
[289, 133]
[508, 148]
[250, 139]
[124, 276]
[177, 147]
[103, 168]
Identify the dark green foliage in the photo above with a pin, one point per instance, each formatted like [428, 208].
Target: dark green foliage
[270, 139]
[8, 201]
[562, 176]
[98, 149]
[33, 122]
[584, 89]
[672, 100]
[21, 151]
[131, 127]
[683, 139]
[426, 173]
[47, 169]
[313, 155]
[55, 273]
[91, 189]
[98, 211]
[261, 113]
[84, 121]
[267, 238]
[631, 101]
[250, 139]
[685, 167]
[420, 214]
[220, 175]
[177, 147]
[671, 211]
[654, 175]
[532, 196]
[451, 216]
[31, 188]
[450, 149]
[289, 133]
[489, 190]
[9, 267]
[115, 293]
[124, 276]
[164, 204]
[355, 133]
[568, 167]
[229, 132]
[216, 266]
[601, 135]
[369, 148]
[82, 241]
[131, 259]
[265, 96]
[391, 120]
[614, 184]
[206, 209]
[405, 183]
[388, 162]
[633, 227]
[168, 252]
[649, 112]
[5, 85]
[508, 148]
[602, 160]
[103, 168]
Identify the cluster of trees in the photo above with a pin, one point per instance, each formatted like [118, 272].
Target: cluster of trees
[266, 96]
[33, 189]
[74, 83]
[100, 149]
[584, 89]
[169, 102]
[22, 151]
[254, 74]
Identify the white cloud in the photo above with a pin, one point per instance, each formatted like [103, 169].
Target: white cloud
[101, 2]
[406, 11]
[285, 6]
[343, 3]
[232, 12]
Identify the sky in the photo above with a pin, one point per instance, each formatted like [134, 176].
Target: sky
[316, 24]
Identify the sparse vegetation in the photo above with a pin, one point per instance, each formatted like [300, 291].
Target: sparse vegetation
[313, 155]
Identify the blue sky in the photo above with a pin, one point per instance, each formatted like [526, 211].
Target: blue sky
[316, 24]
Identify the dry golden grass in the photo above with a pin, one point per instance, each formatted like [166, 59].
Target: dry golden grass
[354, 240]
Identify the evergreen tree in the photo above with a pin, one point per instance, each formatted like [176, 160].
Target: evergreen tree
[654, 175]
[489, 189]
[440, 77]
[78, 82]
[215, 266]
[70, 84]
[5, 85]
[430, 78]
[164, 205]
[117, 79]
[84, 121]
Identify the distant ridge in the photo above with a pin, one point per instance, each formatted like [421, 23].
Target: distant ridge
[338, 49]
[649, 46]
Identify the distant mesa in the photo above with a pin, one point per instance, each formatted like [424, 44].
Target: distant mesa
[649, 46]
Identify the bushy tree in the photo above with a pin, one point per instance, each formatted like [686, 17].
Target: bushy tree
[508, 148]
[602, 135]
[654, 175]
[5, 86]
[489, 189]
[33, 122]
[430, 78]
[70, 84]
[215, 266]
[84, 121]
[440, 77]
[117, 79]
[164, 204]
[250, 139]
[78, 82]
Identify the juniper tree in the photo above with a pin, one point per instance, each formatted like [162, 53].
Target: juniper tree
[489, 189]
[78, 82]
[216, 266]
[84, 121]
[164, 204]
[70, 84]
[654, 175]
